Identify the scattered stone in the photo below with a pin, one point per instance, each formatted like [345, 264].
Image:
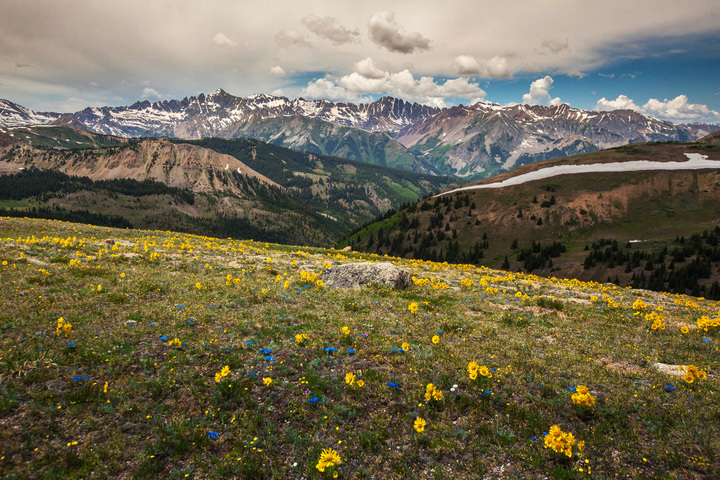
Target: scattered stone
[354, 275]
[670, 369]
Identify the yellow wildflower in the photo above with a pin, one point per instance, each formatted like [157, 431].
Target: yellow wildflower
[583, 397]
[419, 424]
[328, 458]
[433, 393]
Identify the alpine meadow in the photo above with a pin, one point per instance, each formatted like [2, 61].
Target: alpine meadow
[331, 240]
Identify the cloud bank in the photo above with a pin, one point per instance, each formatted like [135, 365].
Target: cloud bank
[677, 110]
[368, 78]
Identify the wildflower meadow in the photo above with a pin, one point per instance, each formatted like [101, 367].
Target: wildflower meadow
[152, 354]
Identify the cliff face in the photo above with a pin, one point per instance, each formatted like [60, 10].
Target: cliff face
[176, 165]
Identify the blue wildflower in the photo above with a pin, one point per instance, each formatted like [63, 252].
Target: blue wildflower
[572, 389]
[313, 399]
[669, 388]
[269, 358]
[265, 351]
[213, 435]
[250, 343]
[351, 351]
[179, 306]
[77, 378]
[164, 338]
[393, 384]
[330, 350]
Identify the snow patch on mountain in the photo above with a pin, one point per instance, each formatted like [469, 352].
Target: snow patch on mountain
[696, 161]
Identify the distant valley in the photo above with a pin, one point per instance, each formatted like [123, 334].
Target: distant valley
[240, 188]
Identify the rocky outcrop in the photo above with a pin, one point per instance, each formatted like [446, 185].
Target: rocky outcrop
[355, 275]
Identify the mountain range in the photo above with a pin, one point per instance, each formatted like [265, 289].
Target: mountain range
[474, 141]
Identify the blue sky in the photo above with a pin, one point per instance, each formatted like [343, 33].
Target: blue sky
[658, 57]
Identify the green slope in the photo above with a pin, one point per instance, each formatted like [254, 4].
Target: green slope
[487, 225]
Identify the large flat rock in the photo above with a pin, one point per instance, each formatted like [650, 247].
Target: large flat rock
[354, 275]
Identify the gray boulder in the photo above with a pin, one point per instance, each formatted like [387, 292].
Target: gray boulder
[353, 275]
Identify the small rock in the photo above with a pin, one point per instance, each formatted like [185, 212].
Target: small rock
[347, 249]
[354, 275]
[674, 370]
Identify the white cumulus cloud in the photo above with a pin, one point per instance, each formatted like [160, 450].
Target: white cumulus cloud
[497, 67]
[622, 102]
[358, 83]
[326, 89]
[405, 85]
[221, 40]
[539, 93]
[467, 65]
[678, 109]
[329, 28]
[367, 69]
[277, 70]
[291, 38]
[385, 32]
[150, 93]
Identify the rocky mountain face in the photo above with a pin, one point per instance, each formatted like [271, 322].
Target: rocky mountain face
[484, 139]
[474, 141]
[176, 165]
[14, 115]
[221, 114]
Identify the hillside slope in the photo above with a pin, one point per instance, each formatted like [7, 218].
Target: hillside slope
[521, 223]
[312, 200]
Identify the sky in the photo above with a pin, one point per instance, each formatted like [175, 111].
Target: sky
[659, 57]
